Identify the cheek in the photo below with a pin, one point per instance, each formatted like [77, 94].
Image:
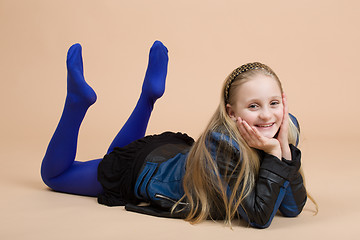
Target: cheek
[279, 115]
[248, 116]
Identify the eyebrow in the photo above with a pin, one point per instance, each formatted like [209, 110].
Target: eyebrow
[257, 99]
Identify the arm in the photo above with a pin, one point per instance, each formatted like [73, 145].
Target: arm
[261, 205]
[295, 196]
[263, 201]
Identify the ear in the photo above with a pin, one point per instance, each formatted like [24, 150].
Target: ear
[230, 112]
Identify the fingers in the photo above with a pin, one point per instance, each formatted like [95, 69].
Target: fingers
[284, 128]
[257, 133]
[285, 106]
[256, 140]
[285, 121]
[241, 127]
[251, 135]
[284, 99]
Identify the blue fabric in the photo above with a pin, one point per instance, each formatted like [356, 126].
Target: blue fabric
[59, 170]
[222, 137]
[144, 179]
[288, 206]
[276, 207]
[167, 180]
[152, 89]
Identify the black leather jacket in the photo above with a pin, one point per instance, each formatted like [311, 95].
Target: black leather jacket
[279, 185]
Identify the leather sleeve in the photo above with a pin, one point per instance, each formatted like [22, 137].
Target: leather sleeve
[295, 196]
[274, 177]
[262, 203]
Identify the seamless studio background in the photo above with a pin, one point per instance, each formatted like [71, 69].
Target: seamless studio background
[313, 46]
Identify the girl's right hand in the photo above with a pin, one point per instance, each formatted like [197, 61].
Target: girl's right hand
[256, 140]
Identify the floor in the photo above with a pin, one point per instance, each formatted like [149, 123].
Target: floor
[30, 210]
[312, 45]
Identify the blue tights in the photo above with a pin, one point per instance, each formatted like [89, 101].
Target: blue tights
[59, 170]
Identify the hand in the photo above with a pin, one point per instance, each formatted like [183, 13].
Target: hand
[282, 136]
[256, 140]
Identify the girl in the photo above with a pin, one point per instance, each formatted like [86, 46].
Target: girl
[245, 164]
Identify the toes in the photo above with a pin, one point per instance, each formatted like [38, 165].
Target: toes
[74, 50]
[74, 58]
[159, 46]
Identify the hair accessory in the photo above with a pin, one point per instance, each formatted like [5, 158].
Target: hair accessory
[240, 70]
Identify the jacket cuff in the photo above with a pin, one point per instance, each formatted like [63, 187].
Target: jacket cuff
[295, 161]
[276, 166]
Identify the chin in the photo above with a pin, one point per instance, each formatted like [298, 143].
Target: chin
[268, 134]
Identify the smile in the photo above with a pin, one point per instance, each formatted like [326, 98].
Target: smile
[265, 126]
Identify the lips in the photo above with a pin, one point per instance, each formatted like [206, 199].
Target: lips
[264, 125]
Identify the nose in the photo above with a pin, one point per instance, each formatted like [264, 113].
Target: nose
[265, 113]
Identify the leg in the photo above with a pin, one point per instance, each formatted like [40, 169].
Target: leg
[152, 89]
[59, 170]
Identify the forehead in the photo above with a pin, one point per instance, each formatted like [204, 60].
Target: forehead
[258, 86]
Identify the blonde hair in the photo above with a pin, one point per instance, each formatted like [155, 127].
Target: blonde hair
[205, 190]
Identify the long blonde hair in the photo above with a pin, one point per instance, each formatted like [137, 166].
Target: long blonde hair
[205, 190]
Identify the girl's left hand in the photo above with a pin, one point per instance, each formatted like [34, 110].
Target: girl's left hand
[282, 136]
[256, 140]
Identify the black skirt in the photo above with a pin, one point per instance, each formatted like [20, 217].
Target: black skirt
[119, 169]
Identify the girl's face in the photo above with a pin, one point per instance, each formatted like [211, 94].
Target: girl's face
[258, 101]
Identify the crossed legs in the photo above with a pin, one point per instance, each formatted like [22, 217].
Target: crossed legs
[59, 170]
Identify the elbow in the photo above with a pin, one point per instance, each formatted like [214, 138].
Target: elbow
[290, 214]
[259, 226]
[262, 222]
[292, 210]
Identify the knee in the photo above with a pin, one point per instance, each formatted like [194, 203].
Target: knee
[46, 179]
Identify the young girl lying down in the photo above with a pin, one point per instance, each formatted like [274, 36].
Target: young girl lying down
[245, 164]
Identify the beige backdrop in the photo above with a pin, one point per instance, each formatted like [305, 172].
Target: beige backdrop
[312, 45]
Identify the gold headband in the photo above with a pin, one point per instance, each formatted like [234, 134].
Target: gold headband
[240, 70]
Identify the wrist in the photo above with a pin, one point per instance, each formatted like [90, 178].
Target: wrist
[286, 153]
[275, 151]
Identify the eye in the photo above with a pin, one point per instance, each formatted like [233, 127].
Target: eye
[253, 106]
[274, 103]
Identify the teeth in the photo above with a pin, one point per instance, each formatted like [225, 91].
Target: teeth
[269, 125]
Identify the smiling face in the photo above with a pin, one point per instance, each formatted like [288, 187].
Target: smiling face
[258, 101]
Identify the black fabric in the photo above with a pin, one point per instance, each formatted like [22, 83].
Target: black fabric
[259, 204]
[154, 211]
[118, 170]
